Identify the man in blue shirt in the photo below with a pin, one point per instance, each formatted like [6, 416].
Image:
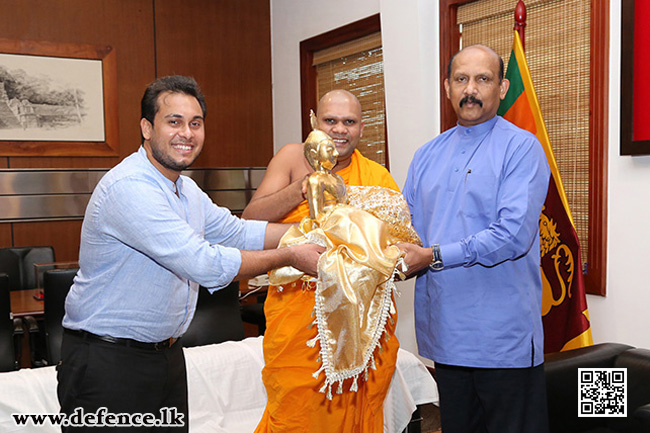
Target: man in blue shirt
[150, 237]
[475, 194]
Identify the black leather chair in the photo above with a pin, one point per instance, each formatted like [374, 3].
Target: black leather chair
[561, 370]
[217, 318]
[56, 285]
[11, 330]
[18, 263]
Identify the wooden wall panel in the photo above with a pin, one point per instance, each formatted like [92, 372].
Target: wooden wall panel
[125, 25]
[226, 46]
[62, 235]
[5, 235]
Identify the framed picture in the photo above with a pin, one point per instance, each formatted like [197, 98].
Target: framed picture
[635, 72]
[57, 99]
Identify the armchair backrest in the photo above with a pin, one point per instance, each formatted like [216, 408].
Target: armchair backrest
[18, 263]
[561, 370]
[56, 285]
[637, 363]
[7, 355]
[217, 318]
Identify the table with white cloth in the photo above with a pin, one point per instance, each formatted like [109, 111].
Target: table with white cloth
[226, 393]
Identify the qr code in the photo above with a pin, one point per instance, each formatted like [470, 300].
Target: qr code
[602, 392]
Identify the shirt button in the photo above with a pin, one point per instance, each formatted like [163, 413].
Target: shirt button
[463, 152]
[456, 170]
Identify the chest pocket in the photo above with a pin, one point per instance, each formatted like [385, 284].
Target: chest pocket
[479, 192]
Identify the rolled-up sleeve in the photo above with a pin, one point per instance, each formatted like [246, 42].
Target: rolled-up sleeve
[253, 236]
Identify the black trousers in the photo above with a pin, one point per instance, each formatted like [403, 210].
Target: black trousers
[124, 380]
[486, 400]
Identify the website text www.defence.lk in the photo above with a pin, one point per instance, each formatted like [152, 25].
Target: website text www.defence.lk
[168, 417]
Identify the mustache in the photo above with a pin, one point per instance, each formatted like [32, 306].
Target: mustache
[472, 99]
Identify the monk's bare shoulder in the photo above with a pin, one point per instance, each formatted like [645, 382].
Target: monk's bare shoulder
[290, 162]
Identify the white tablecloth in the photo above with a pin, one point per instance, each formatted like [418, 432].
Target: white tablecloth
[226, 394]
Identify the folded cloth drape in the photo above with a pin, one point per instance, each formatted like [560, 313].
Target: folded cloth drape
[354, 288]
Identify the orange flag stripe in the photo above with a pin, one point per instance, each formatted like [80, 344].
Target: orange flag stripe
[521, 115]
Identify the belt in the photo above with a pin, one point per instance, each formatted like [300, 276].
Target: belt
[157, 347]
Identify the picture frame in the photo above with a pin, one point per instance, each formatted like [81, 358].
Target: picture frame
[634, 135]
[58, 99]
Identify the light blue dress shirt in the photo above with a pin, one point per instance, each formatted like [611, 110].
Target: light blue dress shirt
[144, 251]
[478, 192]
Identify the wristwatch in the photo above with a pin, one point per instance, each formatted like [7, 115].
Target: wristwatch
[436, 263]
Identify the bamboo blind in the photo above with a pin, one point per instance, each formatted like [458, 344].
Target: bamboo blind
[360, 70]
[558, 54]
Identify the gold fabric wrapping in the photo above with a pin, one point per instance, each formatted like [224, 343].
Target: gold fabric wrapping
[353, 298]
[389, 206]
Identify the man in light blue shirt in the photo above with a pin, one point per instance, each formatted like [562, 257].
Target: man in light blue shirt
[475, 194]
[150, 237]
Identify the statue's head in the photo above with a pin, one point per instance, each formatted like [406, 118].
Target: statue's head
[319, 148]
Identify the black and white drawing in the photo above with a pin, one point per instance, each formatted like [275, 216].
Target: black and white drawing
[50, 99]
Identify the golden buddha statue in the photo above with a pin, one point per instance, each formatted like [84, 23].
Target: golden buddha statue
[324, 188]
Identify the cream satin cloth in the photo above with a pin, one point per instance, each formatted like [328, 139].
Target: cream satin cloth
[355, 277]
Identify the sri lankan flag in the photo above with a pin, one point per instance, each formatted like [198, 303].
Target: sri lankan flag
[564, 304]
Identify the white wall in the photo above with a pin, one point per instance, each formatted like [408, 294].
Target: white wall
[623, 315]
[410, 41]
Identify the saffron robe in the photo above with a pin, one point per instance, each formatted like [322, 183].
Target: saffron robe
[294, 403]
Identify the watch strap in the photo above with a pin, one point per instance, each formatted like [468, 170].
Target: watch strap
[436, 262]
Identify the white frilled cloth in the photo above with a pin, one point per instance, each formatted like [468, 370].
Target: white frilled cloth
[226, 393]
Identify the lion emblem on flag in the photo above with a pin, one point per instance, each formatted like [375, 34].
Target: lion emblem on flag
[561, 263]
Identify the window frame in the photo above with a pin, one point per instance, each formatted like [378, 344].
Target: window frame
[596, 272]
[308, 79]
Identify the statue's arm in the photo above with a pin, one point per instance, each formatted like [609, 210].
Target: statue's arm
[315, 195]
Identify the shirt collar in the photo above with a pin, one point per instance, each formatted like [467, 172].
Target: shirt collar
[477, 130]
[168, 183]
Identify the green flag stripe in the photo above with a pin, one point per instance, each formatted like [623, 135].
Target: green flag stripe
[516, 85]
